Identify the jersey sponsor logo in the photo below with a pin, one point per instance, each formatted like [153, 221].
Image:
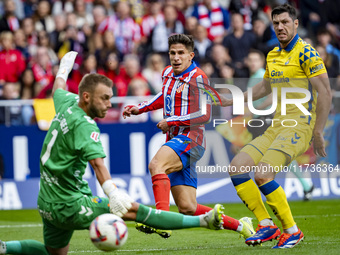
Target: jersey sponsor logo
[276, 73]
[96, 200]
[95, 136]
[288, 61]
[316, 68]
[168, 104]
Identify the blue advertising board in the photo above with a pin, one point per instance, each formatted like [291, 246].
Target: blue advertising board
[130, 147]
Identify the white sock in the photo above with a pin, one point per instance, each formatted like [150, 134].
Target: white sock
[291, 230]
[266, 222]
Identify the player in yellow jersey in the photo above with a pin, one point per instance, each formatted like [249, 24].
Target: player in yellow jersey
[293, 66]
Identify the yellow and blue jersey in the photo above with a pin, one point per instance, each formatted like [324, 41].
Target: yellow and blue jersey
[292, 67]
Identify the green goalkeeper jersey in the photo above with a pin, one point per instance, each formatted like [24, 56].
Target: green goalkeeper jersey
[71, 141]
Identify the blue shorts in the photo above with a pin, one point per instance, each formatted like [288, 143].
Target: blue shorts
[189, 152]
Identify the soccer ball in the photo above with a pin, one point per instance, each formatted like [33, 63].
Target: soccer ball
[108, 232]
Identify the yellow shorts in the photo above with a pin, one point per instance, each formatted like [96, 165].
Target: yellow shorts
[292, 141]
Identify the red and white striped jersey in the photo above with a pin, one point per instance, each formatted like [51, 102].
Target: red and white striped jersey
[186, 106]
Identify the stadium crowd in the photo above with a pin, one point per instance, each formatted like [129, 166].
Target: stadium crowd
[127, 42]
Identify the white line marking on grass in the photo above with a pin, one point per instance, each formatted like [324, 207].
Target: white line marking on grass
[22, 226]
[316, 216]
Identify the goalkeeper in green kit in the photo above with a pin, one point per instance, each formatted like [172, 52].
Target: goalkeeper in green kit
[65, 201]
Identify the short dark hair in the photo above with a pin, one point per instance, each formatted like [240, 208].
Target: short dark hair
[186, 40]
[91, 81]
[285, 8]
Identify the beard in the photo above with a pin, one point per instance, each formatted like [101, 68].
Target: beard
[95, 112]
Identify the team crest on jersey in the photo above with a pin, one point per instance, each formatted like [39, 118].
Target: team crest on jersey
[95, 136]
[180, 88]
[96, 200]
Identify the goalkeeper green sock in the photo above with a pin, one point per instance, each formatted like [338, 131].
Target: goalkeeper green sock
[26, 247]
[294, 167]
[167, 220]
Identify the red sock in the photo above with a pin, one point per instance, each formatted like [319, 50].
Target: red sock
[161, 191]
[228, 222]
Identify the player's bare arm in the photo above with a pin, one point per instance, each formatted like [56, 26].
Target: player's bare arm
[65, 67]
[120, 202]
[260, 90]
[324, 100]
[100, 170]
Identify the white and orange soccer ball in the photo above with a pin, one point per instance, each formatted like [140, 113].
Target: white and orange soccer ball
[108, 232]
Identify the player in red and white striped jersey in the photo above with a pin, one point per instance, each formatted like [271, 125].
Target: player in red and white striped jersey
[186, 108]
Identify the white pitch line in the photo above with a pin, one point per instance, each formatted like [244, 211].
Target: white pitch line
[22, 226]
[131, 223]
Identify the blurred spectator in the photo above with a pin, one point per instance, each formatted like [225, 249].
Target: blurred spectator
[331, 63]
[125, 29]
[212, 16]
[9, 21]
[44, 41]
[255, 62]
[218, 56]
[208, 69]
[153, 71]
[108, 45]
[151, 19]
[190, 26]
[42, 18]
[189, 8]
[57, 36]
[12, 62]
[238, 44]
[62, 6]
[21, 44]
[42, 67]
[19, 9]
[227, 73]
[110, 69]
[89, 65]
[27, 26]
[29, 88]
[178, 4]
[261, 43]
[10, 115]
[74, 41]
[324, 38]
[83, 17]
[107, 4]
[202, 43]
[248, 9]
[138, 87]
[29, 7]
[164, 29]
[130, 70]
[310, 15]
[101, 20]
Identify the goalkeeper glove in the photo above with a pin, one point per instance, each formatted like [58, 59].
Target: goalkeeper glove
[66, 64]
[120, 202]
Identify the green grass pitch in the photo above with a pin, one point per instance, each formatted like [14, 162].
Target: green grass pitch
[319, 220]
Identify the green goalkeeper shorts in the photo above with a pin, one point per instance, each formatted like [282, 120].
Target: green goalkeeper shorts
[61, 219]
